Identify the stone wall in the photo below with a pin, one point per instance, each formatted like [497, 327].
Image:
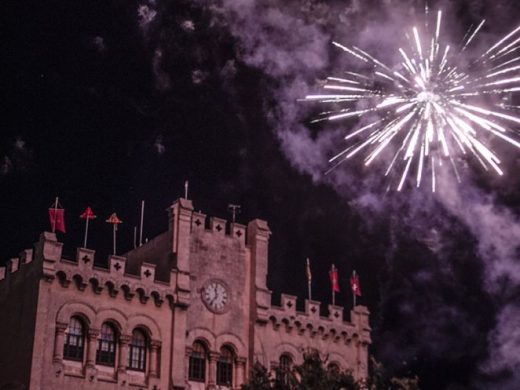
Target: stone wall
[19, 281]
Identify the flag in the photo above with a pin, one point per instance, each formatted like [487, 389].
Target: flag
[57, 219]
[354, 284]
[333, 274]
[87, 214]
[308, 270]
[114, 220]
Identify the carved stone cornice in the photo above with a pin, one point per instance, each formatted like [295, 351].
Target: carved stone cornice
[155, 345]
[93, 333]
[61, 327]
[241, 361]
[213, 356]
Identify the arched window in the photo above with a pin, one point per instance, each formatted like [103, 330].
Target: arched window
[225, 367]
[197, 364]
[284, 368]
[106, 352]
[137, 355]
[74, 340]
[285, 362]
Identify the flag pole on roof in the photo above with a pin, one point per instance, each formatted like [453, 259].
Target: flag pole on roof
[308, 273]
[57, 217]
[87, 215]
[141, 224]
[356, 287]
[333, 274]
[114, 221]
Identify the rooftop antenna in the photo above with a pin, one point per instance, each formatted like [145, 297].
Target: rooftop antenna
[234, 209]
[186, 186]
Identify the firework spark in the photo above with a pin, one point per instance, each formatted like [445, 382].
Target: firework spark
[428, 108]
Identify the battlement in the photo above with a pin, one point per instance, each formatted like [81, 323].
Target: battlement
[309, 322]
[184, 221]
[15, 265]
[83, 274]
[202, 223]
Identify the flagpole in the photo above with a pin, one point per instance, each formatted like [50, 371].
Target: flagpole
[309, 277]
[86, 232]
[55, 215]
[353, 292]
[333, 292]
[141, 227]
[114, 231]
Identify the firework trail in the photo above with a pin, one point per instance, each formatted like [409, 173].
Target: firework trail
[430, 110]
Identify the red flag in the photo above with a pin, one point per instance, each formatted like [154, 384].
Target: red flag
[114, 220]
[333, 274]
[354, 284]
[87, 214]
[57, 219]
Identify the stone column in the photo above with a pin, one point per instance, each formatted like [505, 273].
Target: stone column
[240, 371]
[124, 341]
[189, 350]
[178, 348]
[154, 356]
[212, 369]
[92, 347]
[59, 340]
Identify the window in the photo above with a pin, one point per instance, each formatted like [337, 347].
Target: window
[284, 368]
[197, 364]
[74, 340]
[137, 355]
[225, 367]
[106, 352]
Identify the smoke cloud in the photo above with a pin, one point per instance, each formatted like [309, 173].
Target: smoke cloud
[18, 159]
[290, 43]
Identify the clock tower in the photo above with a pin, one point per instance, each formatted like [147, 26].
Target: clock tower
[189, 309]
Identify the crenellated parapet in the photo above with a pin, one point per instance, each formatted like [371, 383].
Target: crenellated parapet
[83, 274]
[15, 268]
[219, 227]
[309, 323]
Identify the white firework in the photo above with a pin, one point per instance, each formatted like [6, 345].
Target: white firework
[428, 108]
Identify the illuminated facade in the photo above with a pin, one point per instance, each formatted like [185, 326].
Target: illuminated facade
[189, 309]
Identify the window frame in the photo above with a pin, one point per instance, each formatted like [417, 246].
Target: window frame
[197, 363]
[107, 345]
[74, 343]
[138, 352]
[225, 367]
[285, 363]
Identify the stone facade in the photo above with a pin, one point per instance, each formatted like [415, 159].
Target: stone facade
[188, 309]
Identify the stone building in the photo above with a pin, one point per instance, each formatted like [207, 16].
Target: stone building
[188, 309]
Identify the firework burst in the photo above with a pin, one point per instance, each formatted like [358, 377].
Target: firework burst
[428, 109]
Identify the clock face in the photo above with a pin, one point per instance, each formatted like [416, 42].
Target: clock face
[215, 295]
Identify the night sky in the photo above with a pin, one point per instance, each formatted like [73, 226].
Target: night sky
[106, 103]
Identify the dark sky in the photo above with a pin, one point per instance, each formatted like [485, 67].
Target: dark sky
[106, 103]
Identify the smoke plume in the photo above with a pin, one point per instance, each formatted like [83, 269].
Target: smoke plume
[290, 43]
